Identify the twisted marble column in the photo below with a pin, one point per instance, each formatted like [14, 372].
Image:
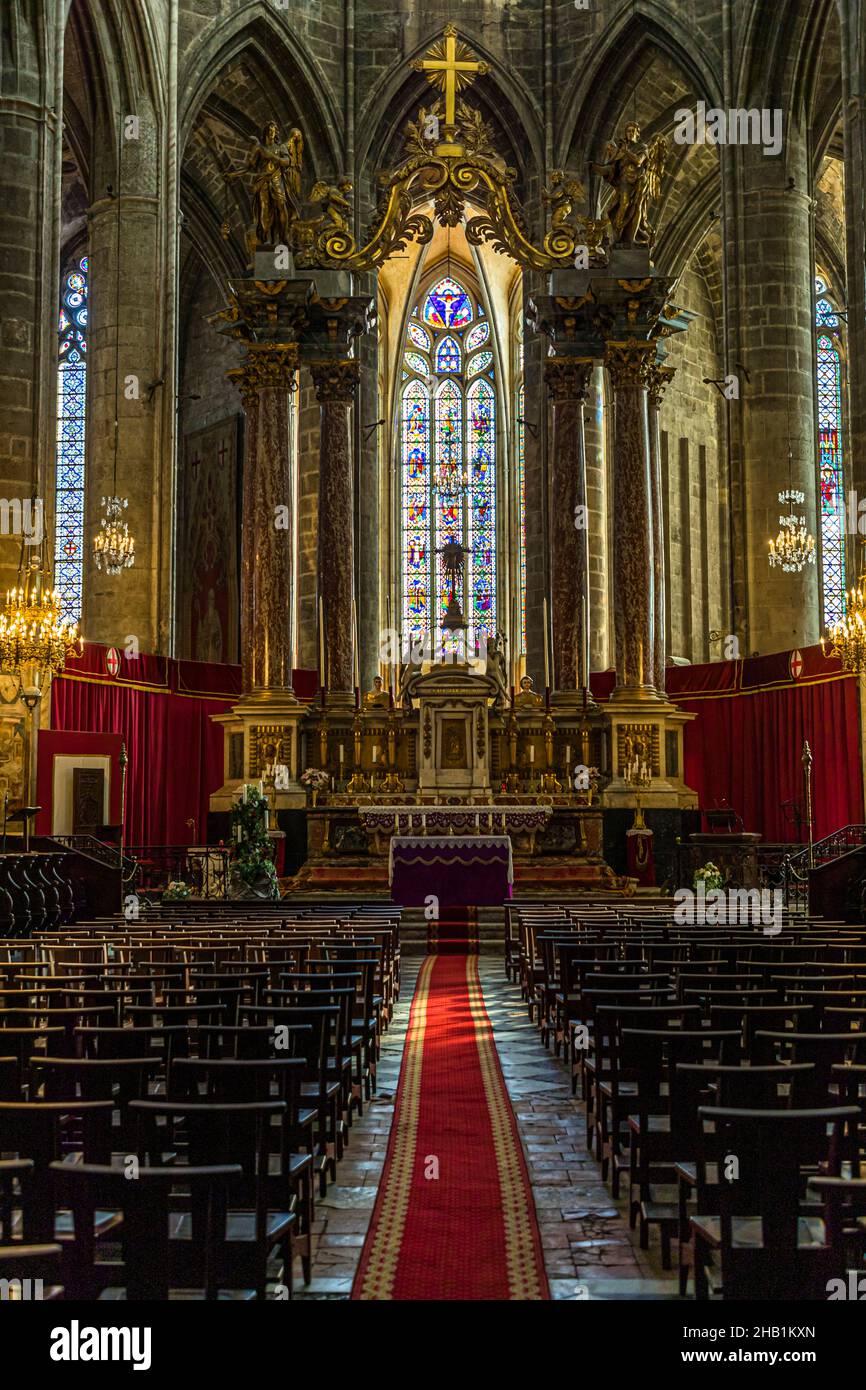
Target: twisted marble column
[658, 378]
[335, 383]
[627, 364]
[567, 383]
[266, 379]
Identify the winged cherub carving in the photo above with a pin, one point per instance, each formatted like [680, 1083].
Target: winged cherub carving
[634, 171]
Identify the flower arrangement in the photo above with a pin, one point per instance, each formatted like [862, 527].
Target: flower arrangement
[314, 778]
[176, 891]
[710, 876]
[254, 871]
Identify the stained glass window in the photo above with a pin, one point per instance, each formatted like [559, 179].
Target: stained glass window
[448, 355]
[476, 336]
[447, 305]
[830, 458]
[416, 363]
[416, 507]
[71, 411]
[419, 337]
[480, 363]
[454, 430]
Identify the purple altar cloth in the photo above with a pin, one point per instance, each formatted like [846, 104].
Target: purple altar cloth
[459, 870]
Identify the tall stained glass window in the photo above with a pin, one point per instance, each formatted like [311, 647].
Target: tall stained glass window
[448, 433]
[830, 456]
[71, 409]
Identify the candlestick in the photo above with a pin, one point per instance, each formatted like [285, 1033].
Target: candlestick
[546, 647]
[355, 652]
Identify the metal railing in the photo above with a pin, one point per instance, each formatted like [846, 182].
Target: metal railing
[204, 869]
[796, 866]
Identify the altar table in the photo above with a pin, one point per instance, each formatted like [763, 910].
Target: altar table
[459, 870]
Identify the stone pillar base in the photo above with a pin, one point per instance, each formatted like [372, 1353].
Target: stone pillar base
[658, 726]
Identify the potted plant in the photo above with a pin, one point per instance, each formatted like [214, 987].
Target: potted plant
[710, 875]
[254, 873]
[176, 892]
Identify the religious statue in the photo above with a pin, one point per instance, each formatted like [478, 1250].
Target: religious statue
[496, 662]
[335, 202]
[560, 196]
[634, 171]
[276, 182]
[527, 698]
[377, 696]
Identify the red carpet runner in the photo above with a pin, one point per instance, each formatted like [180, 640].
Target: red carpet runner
[455, 932]
[469, 1232]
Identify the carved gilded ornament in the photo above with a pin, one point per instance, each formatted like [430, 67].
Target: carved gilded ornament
[658, 380]
[448, 156]
[335, 380]
[628, 362]
[266, 366]
[568, 378]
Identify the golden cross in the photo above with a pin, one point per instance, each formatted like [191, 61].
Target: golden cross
[444, 68]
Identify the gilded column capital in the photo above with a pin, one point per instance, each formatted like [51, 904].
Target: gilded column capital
[335, 379]
[628, 362]
[266, 365]
[658, 379]
[568, 378]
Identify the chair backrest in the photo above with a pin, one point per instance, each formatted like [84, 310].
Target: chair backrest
[44, 1131]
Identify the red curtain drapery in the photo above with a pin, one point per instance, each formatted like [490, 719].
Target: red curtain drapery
[175, 753]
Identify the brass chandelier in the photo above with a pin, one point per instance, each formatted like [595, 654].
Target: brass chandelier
[113, 546]
[35, 639]
[847, 636]
[794, 547]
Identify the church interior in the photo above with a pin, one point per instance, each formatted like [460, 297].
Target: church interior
[432, 721]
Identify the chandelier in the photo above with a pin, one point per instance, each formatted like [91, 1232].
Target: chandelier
[113, 546]
[848, 635]
[451, 480]
[793, 547]
[35, 639]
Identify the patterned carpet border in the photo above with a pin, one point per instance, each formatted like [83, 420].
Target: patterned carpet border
[471, 1234]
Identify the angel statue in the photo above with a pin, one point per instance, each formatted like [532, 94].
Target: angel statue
[561, 195]
[276, 177]
[634, 171]
[335, 202]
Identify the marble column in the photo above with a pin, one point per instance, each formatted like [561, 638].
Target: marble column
[335, 382]
[659, 377]
[567, 381]
[266, 379]
[627, 364]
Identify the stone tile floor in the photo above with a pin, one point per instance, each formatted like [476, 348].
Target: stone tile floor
[589, 1251]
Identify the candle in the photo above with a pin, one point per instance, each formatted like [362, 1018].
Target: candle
[503, 822]
[477, 822]
[532, 753]
[546, 649]
[322, 672]
[375, 752]
[424, 821]
[567, 754]
[396, 822]
[489, 820]
[355, 653]
[341, 753]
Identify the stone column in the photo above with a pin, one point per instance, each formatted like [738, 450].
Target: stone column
[266, 379]
[632, 548]
[567, 380]
[768, 229]
[335, 382]
[659, 377]
[31, 100]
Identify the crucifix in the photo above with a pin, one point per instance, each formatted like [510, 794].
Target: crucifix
[222, 453]
[450, 65]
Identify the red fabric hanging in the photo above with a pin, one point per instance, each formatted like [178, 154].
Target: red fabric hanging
[175, 753]
[744, 751]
